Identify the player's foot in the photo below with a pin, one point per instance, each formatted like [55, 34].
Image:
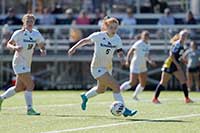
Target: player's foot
[188, 100]
[135, 98]
[1, 101]
[128, 112]
[156, 101]
[32, 112]
[84, 101]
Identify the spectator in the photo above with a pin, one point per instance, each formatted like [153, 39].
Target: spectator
[11, 19]
[47, 18]
[97, 17]
[162, 5]
[69, 16]
[129, 20]
[102, 17]
[190, 18]
[83, 19]
[166, 19]
[58, 9]
[6, 34]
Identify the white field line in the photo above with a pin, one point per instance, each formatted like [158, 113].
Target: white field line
[93, 103]
[120, 124]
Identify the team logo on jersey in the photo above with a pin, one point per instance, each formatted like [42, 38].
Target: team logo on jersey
[109, 45]
[104, 38]
[30, 40]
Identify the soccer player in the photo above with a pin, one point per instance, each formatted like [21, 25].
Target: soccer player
[105, 43]
[192, 58]
[172, 66]
[23, 42]
[138, 68]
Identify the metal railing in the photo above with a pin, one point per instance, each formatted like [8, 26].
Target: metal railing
[57, 70]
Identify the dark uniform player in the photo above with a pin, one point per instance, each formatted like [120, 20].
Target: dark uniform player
[172, 66]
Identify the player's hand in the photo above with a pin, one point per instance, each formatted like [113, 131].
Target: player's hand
[43, 52]
[18, 48]
[153, 63]
[127, 63]
[71, 51]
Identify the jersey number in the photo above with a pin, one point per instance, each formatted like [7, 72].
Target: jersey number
[30, 46]
[108, 51]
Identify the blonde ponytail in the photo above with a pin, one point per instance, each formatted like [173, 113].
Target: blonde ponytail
[174, 38]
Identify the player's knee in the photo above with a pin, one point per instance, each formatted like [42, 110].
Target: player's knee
[132, 82]
[100, 91]
[18, 89]
[116, 90]
[31, 87]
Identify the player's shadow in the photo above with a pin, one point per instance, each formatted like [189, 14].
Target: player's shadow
[154, 120]
[117, 118]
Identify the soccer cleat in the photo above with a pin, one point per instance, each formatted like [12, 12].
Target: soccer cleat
[156, 101]
[1, 101]
[188, 100]
[84, 102]
[32, 112]
[128, 112]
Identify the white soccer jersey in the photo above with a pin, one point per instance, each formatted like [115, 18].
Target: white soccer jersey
[141, 51]
[28, 41]
[104, 49]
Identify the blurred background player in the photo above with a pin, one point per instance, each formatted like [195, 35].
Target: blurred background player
[23, 42]
[192, 58]
[172, 66]
[139, 55]
[106, 42]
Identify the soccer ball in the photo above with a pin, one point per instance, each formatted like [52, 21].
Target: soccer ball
[117, 108]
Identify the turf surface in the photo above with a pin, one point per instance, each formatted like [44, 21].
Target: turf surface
[60, 112]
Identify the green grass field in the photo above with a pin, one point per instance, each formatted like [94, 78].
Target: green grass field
[60, 112]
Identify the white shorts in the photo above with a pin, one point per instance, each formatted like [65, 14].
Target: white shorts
[99, 71]
[138, 68]
[18, 69]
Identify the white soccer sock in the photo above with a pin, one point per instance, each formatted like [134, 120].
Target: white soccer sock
[138, 89]
[92, 92]
[125, 86]
[28, 98]
[118, 97]
[10, 92]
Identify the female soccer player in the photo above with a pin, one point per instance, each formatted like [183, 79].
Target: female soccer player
[23, 42]
[138, 67]
[192, 57]
[106, 42]
[172, 66]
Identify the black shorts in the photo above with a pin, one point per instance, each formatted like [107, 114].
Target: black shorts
[193, 70]
[170, 70]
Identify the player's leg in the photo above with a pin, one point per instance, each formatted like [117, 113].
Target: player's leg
[26, 78]
[19, 86]
[179, 74]
[109, 81]
[161, 86]
[100, 88]
[142, 83]
[189, 80]
[196, 79]
[128, 84]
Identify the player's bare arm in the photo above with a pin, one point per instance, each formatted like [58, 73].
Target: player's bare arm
[79, 44]
[12, 46]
